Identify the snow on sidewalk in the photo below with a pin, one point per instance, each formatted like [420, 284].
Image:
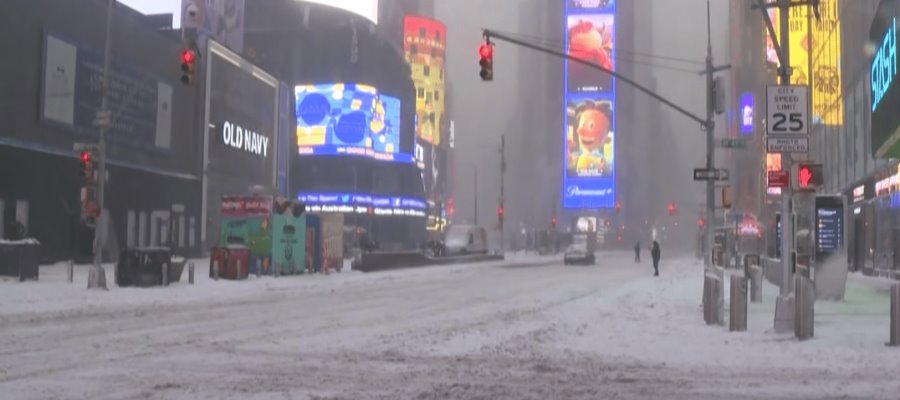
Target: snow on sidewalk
[53, 294]
[660, 320]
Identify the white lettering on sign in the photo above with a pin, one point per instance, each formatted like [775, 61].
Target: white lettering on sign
[239, 137]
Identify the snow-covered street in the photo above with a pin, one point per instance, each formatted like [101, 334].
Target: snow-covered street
[527, 328]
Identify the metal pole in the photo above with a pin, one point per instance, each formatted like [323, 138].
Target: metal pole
[476, 195]
[97, 276]
[502, 196]
[787, 220]
[710, 145]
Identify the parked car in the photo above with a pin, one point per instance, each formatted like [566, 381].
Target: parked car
[581, 250]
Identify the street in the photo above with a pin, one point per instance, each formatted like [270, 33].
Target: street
[525, 329]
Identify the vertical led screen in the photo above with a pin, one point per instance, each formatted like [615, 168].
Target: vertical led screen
[589, 175]
[424, 42]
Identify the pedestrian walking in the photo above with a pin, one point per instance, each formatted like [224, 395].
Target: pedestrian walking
[655, 254]
[637, 252]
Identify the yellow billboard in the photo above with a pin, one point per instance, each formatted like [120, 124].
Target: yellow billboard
[815, 53]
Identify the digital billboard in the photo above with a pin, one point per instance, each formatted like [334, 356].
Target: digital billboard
[885, 92]
[815, 58]
[348, 119]
[591, 38]
[365, 8]
[589, 172]
[746, 113]
[424, 44]
[362, 204]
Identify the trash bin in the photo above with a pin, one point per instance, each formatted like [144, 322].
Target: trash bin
[232, 261]
[20, 259]
[142, 267]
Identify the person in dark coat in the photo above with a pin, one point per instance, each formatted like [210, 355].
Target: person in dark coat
[655, 254]
[637, 252]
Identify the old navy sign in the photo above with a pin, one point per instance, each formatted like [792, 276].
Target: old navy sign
[238, 137]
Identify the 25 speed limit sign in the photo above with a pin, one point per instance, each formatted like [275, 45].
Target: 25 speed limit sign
[787, 110]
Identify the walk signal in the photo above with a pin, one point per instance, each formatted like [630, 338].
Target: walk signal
[809, 176]
[188, 66]
[486, 54]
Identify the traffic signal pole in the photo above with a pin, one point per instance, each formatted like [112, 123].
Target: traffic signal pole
[710, 145]
[502, 196]
[97, 274]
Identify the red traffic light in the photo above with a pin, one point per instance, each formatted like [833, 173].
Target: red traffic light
[672, 208]
[553, 222]
[700, 223]
[187, 56]
[85, 157]
[485, 51]
[500, 211]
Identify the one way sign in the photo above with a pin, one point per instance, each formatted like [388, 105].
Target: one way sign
[703, 174]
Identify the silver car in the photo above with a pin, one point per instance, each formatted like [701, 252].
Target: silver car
[577, 253]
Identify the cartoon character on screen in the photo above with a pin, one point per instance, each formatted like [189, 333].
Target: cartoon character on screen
[591, 43]
[590, 131]
[378, 125]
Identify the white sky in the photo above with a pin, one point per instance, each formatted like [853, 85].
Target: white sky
[157, 7]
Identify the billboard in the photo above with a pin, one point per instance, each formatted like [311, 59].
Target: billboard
[885, 92]
[424, 44]
[348, 119]
[140, 103]
[746, 112]
[362, 204]
[590, 37]
[815, 58]
[589, 173]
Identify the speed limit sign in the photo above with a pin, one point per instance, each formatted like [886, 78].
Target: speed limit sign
[787, 110]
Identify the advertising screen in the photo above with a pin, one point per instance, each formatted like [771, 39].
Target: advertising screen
[885, 90]
[362, 204]
[589, 173]
[746, 113]
[348, 119]
[365, 8]
[829, 229]
[424, 43]
[815, 54]
[590, 37]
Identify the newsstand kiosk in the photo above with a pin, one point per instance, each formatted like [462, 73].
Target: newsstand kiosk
[264, 234]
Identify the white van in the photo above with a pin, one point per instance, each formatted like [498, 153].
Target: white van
[465, 239]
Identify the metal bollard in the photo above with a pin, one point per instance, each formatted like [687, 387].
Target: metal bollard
[165, 274]
[756, 274]
[191, 273]
[216, 270]
[70, 271]
[712, 305]
[707, 300]
[895, 315]
[737, 321]
[804, 312]
[239, 274]
[258, 268]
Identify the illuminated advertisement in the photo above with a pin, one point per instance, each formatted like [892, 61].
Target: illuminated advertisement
[773, 163]
[348, 119]
[746, 113]
[424, 43]
[885, 92]
[586, 224]
[362, 204]
[816, 44]
[589, 176]
[590, 37]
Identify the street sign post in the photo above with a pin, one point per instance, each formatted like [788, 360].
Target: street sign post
[787, 119]
[703, 174]
[726, 143]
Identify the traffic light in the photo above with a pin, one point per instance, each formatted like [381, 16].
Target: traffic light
[553, 222]
[86, 159]
[809, 176]
[700, 223]
[188, 67]
[618, 207]
[486, 55]
[500, 213]
[672, 208]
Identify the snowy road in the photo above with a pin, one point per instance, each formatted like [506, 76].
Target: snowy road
[490, 331]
